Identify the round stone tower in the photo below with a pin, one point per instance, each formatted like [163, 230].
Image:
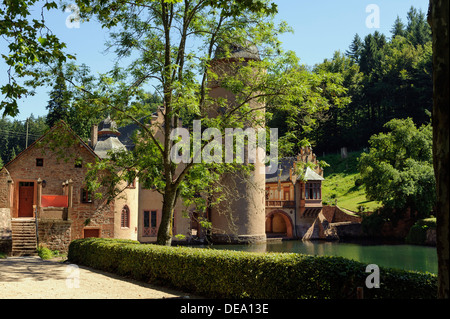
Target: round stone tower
[240, 217]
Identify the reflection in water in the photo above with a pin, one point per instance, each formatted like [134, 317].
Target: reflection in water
[410, 257]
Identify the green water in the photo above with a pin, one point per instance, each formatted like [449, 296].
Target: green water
[409, 257]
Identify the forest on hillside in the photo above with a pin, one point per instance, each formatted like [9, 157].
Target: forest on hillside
[379, 78]
[384, 77]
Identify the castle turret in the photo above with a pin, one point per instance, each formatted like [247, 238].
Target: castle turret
[240, 217]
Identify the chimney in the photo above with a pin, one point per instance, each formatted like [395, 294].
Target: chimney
[94, 136]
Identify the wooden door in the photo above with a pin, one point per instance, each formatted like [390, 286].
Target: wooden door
[26, 194]
[91, 232]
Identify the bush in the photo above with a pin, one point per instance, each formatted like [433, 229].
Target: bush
[45, 253]
[430, 222]
[417, 235]
[234, 274]
[372, 223]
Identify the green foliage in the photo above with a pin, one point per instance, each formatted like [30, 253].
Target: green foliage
[59, 102]
[372, 66]
[323, 92]
[180, 66]
[418, 232]
[342, 184]
[13, 135]
[45, 253]
[29, 44]
[233, 274]
[398, 170]
[372, 223]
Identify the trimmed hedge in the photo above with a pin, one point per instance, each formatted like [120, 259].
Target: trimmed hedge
[234, 274]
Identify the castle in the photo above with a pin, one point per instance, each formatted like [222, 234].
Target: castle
[43, 198]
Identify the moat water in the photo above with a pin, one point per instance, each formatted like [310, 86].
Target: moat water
[409, 257]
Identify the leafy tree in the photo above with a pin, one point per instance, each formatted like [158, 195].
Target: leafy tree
[62, 104]
[30, 43]
[398, 169]
[339, 121]
[299, 127]
[175, 43]
[394, 65]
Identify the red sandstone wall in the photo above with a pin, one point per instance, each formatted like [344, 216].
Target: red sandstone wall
[334, 215]
[55, 171]
[4, 176]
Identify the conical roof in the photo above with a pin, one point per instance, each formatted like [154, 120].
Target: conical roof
[236, 50]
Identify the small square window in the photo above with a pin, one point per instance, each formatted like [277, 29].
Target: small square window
[39, 162]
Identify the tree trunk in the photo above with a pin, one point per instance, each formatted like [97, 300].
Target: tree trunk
[165, 227]
[438, 19]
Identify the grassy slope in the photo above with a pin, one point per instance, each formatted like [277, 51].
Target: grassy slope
[339, 183]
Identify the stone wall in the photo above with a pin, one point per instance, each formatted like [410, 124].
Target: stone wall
[431, 237]
[336, 215]
[55, 234]
[4, 192]
[5, 231]
[5, 223]
[333, 223]
[5, 213]
[400, 229]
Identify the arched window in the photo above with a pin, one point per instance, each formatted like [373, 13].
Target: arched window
[125, 217]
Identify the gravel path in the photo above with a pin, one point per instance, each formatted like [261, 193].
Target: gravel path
[34, 278]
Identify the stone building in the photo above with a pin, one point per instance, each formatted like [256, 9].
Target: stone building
[293, 198]
[44, 199]
[44, 187]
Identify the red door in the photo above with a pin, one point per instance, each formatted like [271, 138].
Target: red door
[26, 194]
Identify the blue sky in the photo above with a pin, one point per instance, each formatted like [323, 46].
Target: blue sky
[320, 28]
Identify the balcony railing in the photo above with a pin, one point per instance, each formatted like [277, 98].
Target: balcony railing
[55, 207]
[280, 203]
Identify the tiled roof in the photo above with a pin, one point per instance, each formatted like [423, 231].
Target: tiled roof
[282, 173]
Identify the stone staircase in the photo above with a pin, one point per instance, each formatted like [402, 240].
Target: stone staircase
[24, 242]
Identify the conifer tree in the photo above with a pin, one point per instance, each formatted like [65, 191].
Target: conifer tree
[398, 28]
[354, 51]
[58, 104]
[418, 32]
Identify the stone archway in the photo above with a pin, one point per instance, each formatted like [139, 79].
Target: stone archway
[279, 222]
